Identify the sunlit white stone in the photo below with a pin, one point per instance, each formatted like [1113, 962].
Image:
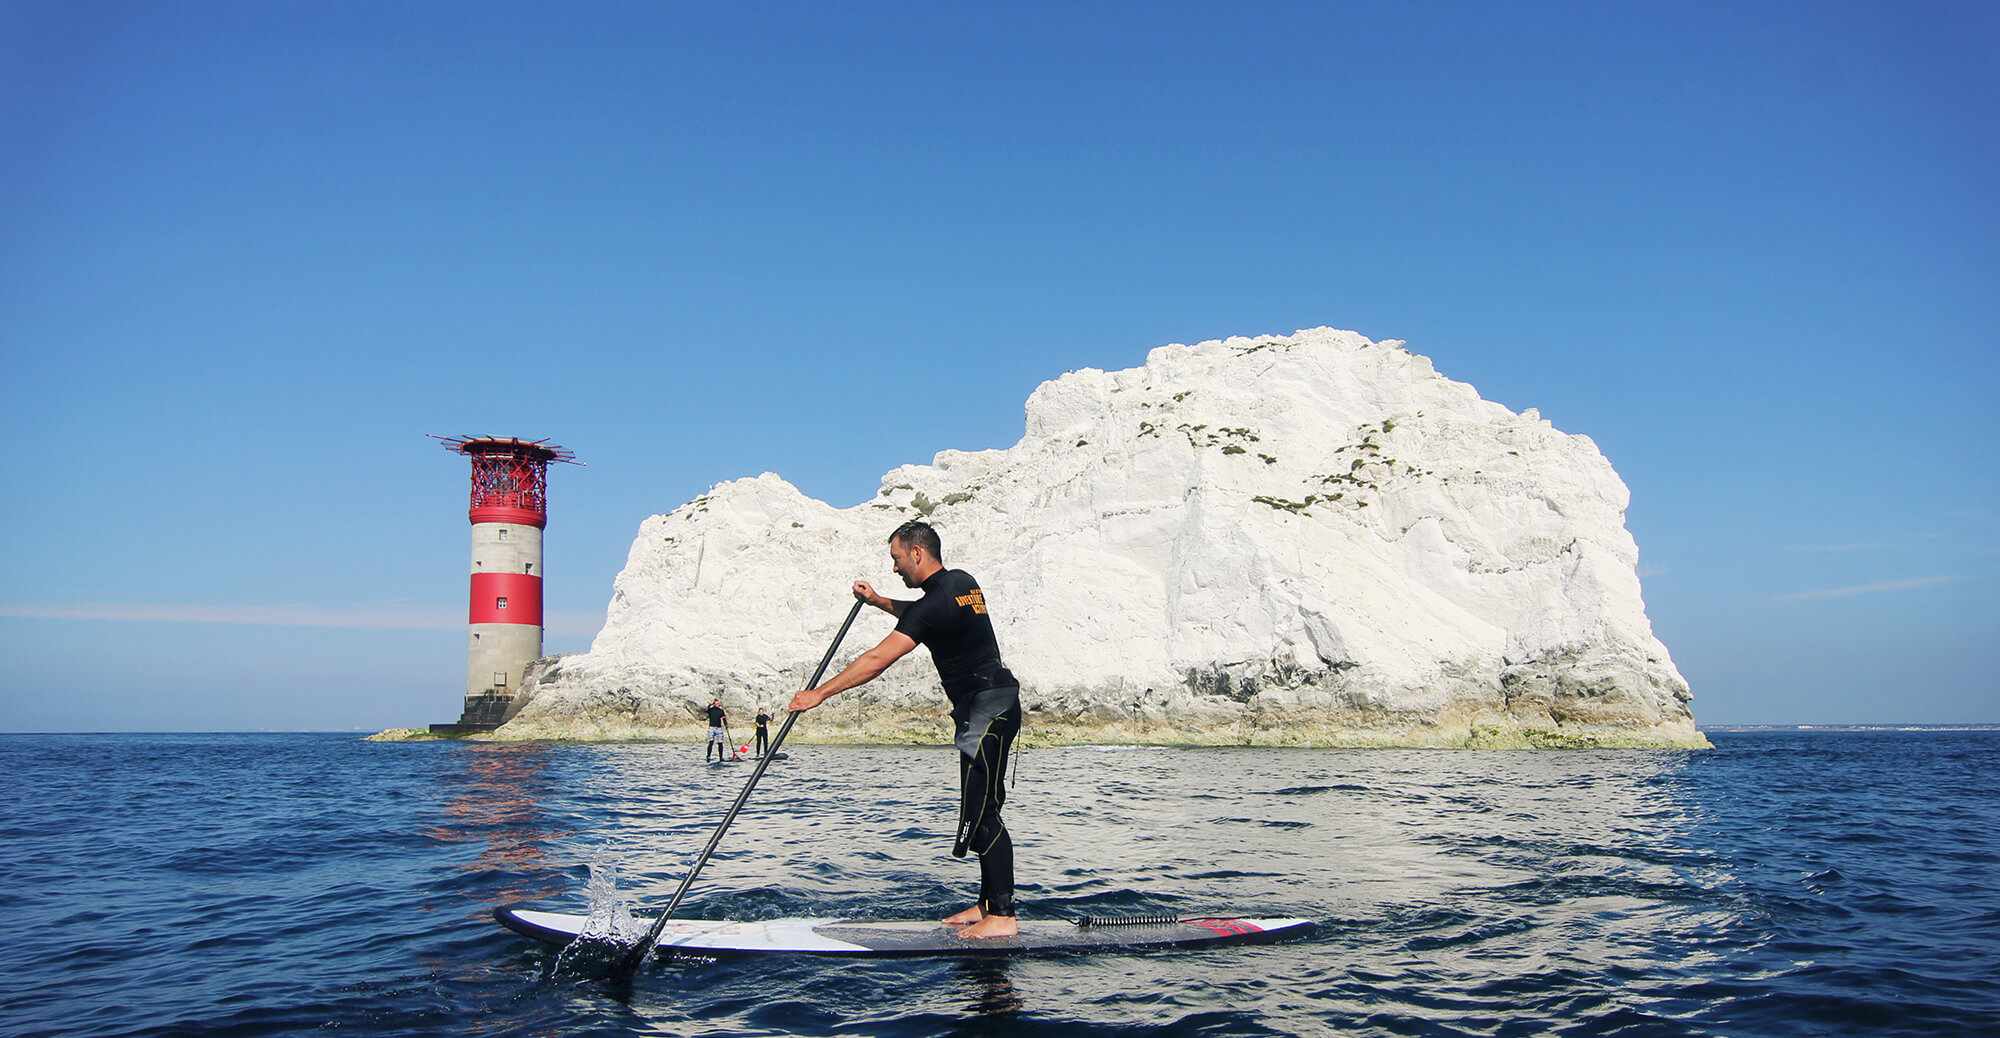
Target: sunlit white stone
[1307, 538]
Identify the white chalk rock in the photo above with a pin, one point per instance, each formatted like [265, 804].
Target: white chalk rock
[1304, 539]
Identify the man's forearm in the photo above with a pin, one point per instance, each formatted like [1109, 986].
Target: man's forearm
[866, 667]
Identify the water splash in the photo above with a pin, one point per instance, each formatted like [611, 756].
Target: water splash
[610, 918]
[609, 931]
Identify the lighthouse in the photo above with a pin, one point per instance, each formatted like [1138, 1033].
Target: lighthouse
[510, 483]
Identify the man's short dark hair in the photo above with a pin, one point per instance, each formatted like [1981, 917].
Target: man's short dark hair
[919, 533]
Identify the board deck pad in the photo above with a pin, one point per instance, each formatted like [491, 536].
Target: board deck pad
[856, 937]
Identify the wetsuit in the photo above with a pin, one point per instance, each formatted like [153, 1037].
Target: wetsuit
[718, 737]
[951, 621]
[763, 731]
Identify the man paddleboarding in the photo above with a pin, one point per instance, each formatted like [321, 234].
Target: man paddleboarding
[951, 620]
[718, 732]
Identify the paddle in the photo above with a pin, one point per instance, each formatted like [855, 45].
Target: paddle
[636, 957]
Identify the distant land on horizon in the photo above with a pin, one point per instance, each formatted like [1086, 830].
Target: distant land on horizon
[1913, 726]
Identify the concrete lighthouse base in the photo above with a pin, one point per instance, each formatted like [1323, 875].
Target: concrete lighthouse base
[483, 713]
[489, 708]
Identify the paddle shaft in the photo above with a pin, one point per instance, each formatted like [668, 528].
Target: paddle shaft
[632, 961]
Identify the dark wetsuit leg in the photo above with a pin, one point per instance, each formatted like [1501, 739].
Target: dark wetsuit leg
[985, 734]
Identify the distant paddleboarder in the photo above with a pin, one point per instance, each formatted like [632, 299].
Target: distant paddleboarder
[718, 732]
[763, 731]
[951, 621]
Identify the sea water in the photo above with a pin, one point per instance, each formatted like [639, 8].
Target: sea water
[1784, 883]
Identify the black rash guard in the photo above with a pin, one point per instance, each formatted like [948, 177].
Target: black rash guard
[951, 621]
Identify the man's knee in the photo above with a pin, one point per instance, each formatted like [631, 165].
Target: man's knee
[988, 832]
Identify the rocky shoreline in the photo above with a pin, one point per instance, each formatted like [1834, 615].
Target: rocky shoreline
[1318, 737]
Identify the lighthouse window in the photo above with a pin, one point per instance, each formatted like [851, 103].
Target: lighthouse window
[529, 567]
[500, 603]
[503, 533]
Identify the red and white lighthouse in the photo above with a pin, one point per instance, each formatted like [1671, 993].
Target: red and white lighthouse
[510, 483]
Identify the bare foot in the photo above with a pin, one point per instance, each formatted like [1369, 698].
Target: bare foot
[992, 926]
[970, 915]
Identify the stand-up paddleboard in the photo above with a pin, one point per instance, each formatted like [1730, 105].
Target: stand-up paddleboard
[724, 939]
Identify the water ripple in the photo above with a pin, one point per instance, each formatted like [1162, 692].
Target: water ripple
[1784, 884]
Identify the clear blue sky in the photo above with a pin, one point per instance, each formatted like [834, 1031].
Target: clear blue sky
[250, 253]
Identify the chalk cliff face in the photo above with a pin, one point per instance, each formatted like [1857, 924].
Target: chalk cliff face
[1305, 539]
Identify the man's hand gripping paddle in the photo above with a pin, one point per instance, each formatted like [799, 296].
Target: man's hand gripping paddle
[635, 958]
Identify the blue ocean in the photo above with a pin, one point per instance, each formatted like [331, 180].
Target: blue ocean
[1784, 883]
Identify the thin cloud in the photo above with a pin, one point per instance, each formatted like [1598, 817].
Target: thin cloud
[401, 618]
[394, 617]
[1868, 589]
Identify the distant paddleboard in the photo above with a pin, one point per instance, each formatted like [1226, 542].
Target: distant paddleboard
[860, 938]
